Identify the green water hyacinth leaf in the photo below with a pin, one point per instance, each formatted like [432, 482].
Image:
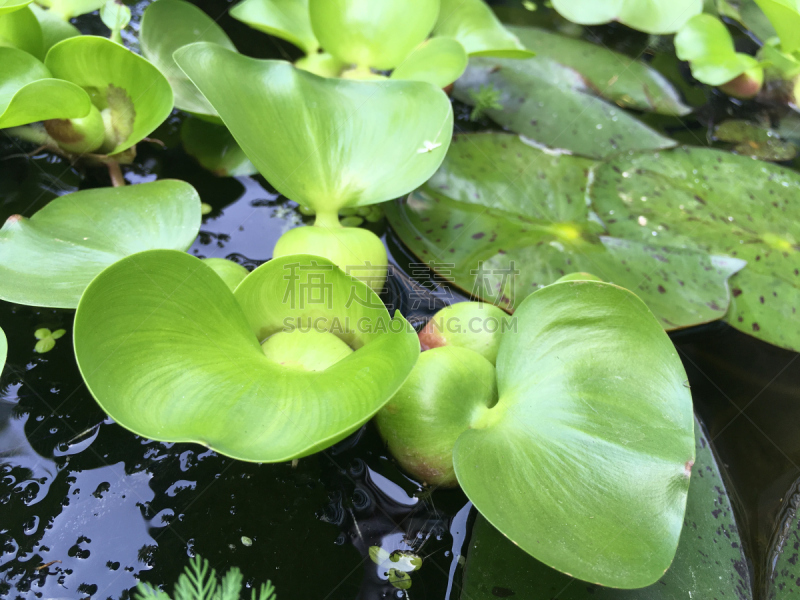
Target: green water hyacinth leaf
[708, 46]
[230, 272]
[784, 15]
[476, 27]
[192, 369]
[439, 61]
[131, 94]
[214, 147]
[69, 9]
[49, 259]
[322, 142]
[616, 77]
[372, 34]
[476, 326]
[720, 203]
[652, 16]
[563, 113]
[3, 350]
[171, 24]
[54, 28]
[709, 562]
[21, 29]
[501, 219]
[286, 19]
[13, 5]
[29, 93]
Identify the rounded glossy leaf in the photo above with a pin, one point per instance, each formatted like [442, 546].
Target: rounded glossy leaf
[214, 147]
[133, 94]
[49, 259]
[21, 29]
[28, 92]
[171, 354]
[322, 142]
[616, 77]
[584, 461]
[708, 46]
[721, 203]
[650, 16]
[69, 9]
[3, 350]
[230, 272]
[286, 19]
[475, 26]
[54, 28]
[785, 18]
[168, 25]
[439, 61]
[476, 326]
[13, 5]
[709, 563]
[372, 34]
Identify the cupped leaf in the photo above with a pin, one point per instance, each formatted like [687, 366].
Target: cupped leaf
[168, 25]
[132, 94]
[54, 28]
[563, 113]
[591, 440]
[21, 29]
[650, 16]
[3, 350]
[720, 203]
[476, 326]
[69, 9]
[439, 61]
[708, 46]
[372, 34]
[785, 18]
[322, 142]
[286, 19]
[475, 26]
[214, 147]
[501, 219]
[172, 354]
[709, 563]
[13, 5]
[49, 259]
[628, 82]
[28, 92]
[230, 272]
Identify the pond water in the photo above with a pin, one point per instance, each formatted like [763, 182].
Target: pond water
[108, 508]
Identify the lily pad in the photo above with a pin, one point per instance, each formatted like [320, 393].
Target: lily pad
[751, 139]
[476, 27]
[322, 142]
[131, 93]
[563, 112]
[628, 82]
[172, 354]
[783, 570]
[721, 203]
[784, 15]
[439, 61]
[286, 19]
[709, 562]
[214, 147]
[49, 259]
[21, 29]
[29, 93]
[651, 17]
[371, 34]
[502, 227]
[168, 25]
[13, 5]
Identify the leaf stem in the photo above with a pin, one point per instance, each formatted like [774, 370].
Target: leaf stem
[115, 172]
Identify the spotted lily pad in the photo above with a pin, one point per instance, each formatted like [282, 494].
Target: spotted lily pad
[49, 259]
[501, 219]
[755, 140]
[564, 111]
[720, 203]
[783, 566]
[628, 82]
[709, 562]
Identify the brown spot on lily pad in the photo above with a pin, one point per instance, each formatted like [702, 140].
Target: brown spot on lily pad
[477, 236]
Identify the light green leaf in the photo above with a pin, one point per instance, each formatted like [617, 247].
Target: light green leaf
[476, 326]
[28, 92]
[501, 219]
[171, 354]
[54, 28]
[721, 203]
[563, 113]
[616, 77]
[3, 350]
[132, 94]
[650, 16]
[372, 34]
[709, 562]
[593, 411]
[13, 5]
[783, 567]
[785, 18]
[230, 272]
[214, 147]
[473, 23]
[322, 142]
[20, 29]
[439, 61]
[69, 9]
[748, 13]
[708, 46]
[49, 259]
[115, 15]
[168, 25]
[286, 19]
